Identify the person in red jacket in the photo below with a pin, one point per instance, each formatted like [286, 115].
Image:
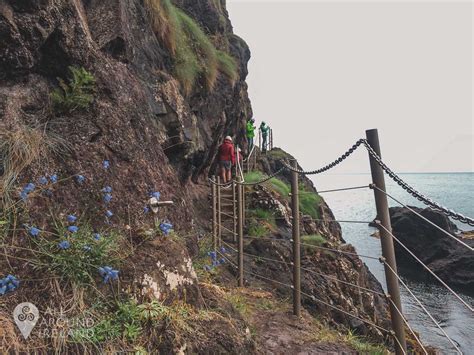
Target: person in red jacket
[226, 158]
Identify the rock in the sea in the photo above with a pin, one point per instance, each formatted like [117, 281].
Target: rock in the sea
[446, 257]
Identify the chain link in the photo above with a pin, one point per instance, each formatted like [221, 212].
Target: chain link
[329, 166]
[418, 195]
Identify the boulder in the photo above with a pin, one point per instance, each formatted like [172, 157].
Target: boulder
[446, 257]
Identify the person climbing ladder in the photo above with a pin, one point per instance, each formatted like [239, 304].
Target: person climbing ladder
[226, 158]
[264, 129]
[250, 134]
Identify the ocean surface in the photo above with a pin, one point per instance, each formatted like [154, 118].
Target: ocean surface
[452, 190]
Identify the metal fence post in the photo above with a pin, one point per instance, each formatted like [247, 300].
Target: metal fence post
[388, 251]
[296, 243]
[241, 234]
[234, 210]
[219, 216]
[214, 213]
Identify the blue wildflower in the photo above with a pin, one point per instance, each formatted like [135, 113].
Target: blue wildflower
[108, 273]
[73, 229]
[108, 213]
[43, 180]
[223, 250]
[106, 164]
[64, 245]
[222, 261]
[87, 248]
[213, 255]
[29, 187]
[24, 195]
[107, 189]
[71, 218]
[54, 178]
[48, 192]
[155, 195]
[166, 228]
[8, 284]
[80, 179]
[96, 236]
[146, 209]
[34, 231]
[107, 198]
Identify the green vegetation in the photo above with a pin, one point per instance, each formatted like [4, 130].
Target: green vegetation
[261, 222]
[129, 321]
[78, 93]
[316, 240]
[80, 261]
[275, 184]
[257, 229]
[194, 54]
[309, 202]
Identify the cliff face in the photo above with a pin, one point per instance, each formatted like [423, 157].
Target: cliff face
[154, 134]
[145, 130]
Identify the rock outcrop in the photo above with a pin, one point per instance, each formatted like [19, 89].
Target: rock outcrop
[451, 261]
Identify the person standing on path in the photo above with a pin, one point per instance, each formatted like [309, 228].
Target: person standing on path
[226, 156]
[250, 134]
[264, 129]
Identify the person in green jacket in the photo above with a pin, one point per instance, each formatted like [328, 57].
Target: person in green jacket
[250, 134]
[264, 129]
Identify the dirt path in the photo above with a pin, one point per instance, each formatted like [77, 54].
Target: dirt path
[277, 331]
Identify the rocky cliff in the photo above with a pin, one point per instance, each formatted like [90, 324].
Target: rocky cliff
[102, 105]
[447, 258]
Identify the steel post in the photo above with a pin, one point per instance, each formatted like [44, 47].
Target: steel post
[219, 216]
[214, 213]
[234, 210]
[240, 220]
[296, 243]
[388, 250]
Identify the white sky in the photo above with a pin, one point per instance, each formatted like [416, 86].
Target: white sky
[322, 72]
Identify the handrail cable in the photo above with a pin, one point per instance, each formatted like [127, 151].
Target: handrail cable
[339, 251]
[407, 324]
[312, 297]
[259, 257]
[335, 190]
[422, 306]
[228, 215]
[425, 219]
[428, 269]
[337, 221]
[227, 229]
[343, 282]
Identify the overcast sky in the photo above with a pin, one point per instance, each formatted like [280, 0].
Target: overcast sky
[322, 72]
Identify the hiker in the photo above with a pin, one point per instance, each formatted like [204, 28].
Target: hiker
[264, 129]
[226, 159]
[250, 134]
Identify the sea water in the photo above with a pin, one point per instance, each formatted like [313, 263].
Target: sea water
[452, 190]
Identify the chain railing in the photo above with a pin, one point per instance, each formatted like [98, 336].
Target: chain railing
[393, 298]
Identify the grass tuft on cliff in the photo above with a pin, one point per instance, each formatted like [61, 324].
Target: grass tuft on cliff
[20, 148]
[194, 54]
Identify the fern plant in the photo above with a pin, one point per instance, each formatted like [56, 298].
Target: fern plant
[77, 94]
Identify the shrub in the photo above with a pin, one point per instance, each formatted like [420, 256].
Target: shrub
[315, 239]
[78, 93]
